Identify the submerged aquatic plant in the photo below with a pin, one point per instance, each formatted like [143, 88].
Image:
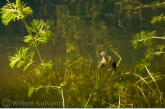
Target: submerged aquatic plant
[86, 85]
[32, 89]
[38, 34]
[143, 38]
[157, 18]
[41, 33]
[12, 12]
[23, 57]
[146, 39]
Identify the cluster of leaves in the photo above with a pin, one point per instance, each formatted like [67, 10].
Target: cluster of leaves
[157, 18]
[43, 68]
[142, 62]
[143, 39]
[32, 89]
[157, 51]
[11, 12]
[41, 33]
[22, 57]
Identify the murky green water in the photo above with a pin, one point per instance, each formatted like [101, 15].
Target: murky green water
[81, 30]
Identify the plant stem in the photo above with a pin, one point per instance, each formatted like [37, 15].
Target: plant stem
[56, 87]
[119, 99]
[143, 79]
[156, 53]
[70, 94]
[143, 6]
[154, 82]
[88, 100]
[19, 6]
[63, 102]
[154, 37]
[143, 95]
[27, 27]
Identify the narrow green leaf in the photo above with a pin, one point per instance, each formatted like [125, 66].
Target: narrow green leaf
[27, 65]
[30, 91]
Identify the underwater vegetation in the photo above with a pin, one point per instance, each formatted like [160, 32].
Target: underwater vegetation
[84, 75]
[146, 39]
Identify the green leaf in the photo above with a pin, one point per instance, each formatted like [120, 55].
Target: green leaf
[156, 79]
[59, 91]
[140, 65]
[157, 73]
[27, 65]
[63, 83]
[28, 39]
[30, 91]
[13, 60]
[149, 53]
[20, 63]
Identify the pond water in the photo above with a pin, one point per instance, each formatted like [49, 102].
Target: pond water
[81, 30]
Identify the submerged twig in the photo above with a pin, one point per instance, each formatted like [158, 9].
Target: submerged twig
[154, 82]
[88, 100]
[143, 95]
[143, 79]
[71, 94]
[54, 87]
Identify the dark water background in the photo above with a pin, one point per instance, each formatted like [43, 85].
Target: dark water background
[14, 82]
